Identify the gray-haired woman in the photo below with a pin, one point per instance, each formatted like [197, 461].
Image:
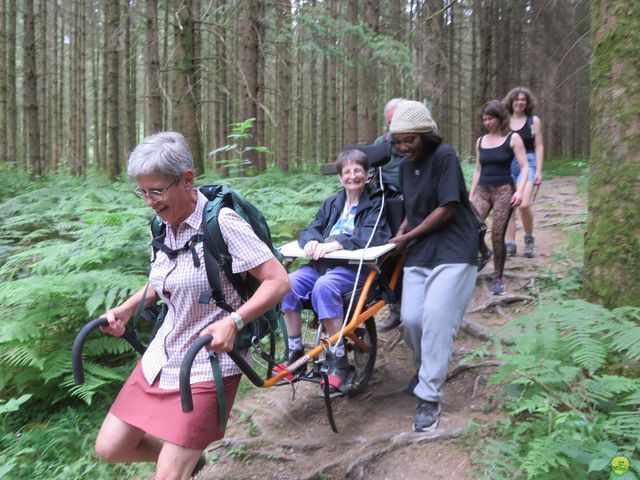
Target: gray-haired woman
[146, 422]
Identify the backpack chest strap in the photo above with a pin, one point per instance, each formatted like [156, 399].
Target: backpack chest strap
[189, 246]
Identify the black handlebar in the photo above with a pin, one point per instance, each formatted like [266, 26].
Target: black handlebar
[187, 362]
[76, 350]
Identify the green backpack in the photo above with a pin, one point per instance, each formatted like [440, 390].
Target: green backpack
[216, 257]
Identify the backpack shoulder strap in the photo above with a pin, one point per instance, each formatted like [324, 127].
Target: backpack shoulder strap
[158, 232]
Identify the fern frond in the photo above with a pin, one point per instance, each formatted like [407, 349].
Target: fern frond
[625, 336]
[20, 356]
[606, 387]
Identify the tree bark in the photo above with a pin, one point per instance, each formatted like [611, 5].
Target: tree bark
[154, 102]
[3, 82]
[370, 79]
[249, 55]
[112, 13]
[185, 89]
[351, 120]
[612, 243]
[283, 85]
[30, 93]
[12, 104]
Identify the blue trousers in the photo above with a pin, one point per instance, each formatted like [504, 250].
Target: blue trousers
[325, 291]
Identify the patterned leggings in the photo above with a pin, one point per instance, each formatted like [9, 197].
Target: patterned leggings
[498, 198]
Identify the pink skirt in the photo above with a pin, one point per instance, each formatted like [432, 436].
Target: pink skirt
[159, 412]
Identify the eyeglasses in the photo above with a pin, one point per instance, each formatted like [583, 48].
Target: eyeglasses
[154, 194]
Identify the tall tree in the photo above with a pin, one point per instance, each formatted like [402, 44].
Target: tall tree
[612, 243]
[12, 104]
[3, 81]
[370, 78]
[351, 120]
[249, 55]
[154, 93]
[112, 44]
[283, 84]
[30, 91]
[185, 86]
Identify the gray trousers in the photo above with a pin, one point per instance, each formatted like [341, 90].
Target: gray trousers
[433, 304]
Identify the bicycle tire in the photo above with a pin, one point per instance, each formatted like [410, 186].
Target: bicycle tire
[363, 362]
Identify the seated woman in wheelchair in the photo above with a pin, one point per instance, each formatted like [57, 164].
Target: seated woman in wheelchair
[346, 220]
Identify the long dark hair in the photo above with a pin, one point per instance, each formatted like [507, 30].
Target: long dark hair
[495, 109]
[532, 101]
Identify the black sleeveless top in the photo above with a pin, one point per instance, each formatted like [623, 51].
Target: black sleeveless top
[495, 163]
[528, 135]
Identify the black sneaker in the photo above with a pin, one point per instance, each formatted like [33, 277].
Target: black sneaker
[392, 321]
[483, 259]
[339, 373]
[426, 417]
[413, 383]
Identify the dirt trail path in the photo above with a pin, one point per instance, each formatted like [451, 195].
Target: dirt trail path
[272, 437]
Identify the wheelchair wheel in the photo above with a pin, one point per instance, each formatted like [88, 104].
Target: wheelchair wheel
[362, 361]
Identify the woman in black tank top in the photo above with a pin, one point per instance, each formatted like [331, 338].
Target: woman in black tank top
[492, 187]
[520, 102]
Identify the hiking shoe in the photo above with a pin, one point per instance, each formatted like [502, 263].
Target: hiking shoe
[392, 321]
[293, 356]
[483, 259]
[511, 247]
[426, 417]
[529, 246]
[338, 373]
[202, 461]
[498, 287]
[413, 383]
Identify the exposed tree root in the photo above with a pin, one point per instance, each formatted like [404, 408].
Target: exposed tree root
[476, 384]
[475, 330]
[494, 302]
[359, 469]
[463, 367]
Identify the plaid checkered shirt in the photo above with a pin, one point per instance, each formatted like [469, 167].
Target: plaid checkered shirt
[179, 284]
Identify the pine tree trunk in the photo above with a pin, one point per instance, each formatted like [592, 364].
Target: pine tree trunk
[283, 85]
[351, 120]
[185, 89]
[112, 13]
[12, 107]
[154, 102]
[370, 80]
[30, 92]
[249, 61]
[3, 83]
[612, 243]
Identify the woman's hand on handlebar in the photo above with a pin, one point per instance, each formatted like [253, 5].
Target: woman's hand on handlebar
[223, 333]
[118, 318]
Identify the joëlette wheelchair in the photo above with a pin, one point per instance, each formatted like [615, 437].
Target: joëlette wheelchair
[381, 287]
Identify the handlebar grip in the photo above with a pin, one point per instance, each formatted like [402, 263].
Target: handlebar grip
[185, 371]
[78, 343]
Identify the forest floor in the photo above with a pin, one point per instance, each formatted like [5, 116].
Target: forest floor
[271, 436]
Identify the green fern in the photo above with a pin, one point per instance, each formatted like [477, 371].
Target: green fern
[567, 399]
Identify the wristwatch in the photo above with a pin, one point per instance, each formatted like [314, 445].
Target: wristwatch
[238, 319]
